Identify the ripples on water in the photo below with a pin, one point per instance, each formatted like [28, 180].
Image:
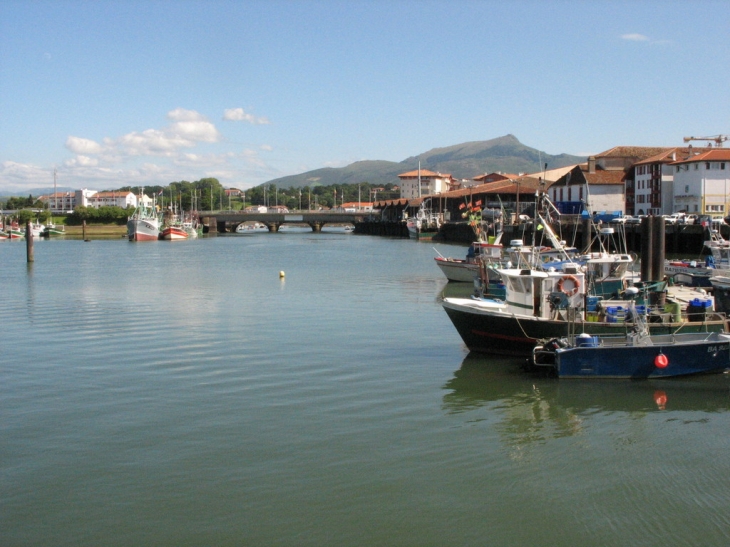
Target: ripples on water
[183, 394]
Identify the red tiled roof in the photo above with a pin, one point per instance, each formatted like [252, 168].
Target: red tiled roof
[712, 154]
[424, 173]
[666, 156]
[604, 177]
[495, 177]
[639, 152]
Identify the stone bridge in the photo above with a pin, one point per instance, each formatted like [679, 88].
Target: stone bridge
[228, 221]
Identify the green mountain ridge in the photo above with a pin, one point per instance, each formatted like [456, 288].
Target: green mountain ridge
[463, 161]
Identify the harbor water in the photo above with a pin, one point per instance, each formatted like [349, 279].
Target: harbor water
[301, 389]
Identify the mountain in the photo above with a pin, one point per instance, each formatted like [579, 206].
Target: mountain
[463, 161]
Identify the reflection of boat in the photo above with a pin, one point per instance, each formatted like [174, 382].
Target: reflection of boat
[144, 224]
[499, 383]
[635, 355]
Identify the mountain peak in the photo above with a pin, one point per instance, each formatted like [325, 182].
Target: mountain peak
[463, 161]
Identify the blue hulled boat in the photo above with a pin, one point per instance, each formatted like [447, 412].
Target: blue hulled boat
[636, 355]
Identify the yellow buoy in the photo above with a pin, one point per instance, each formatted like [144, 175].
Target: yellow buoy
[282, 274]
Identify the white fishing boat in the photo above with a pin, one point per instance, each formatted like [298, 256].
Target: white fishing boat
[144, 224]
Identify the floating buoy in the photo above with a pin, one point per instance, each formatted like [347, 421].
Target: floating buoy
[661, 361]
[282, 274]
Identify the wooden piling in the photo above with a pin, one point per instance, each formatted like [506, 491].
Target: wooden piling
[29, 242]
[658, 248]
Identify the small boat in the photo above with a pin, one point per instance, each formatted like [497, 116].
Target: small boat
[173, 232]
[426, 224]
[465, 270]
[637, 354]
[54, 230]
[14, 231]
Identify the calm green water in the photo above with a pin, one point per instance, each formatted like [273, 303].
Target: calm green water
[183, 394]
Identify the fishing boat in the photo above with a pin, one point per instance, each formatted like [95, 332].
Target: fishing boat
[546, 302]
[54, 230]
[144, 224]
[173, 232]
[14, 231]
[426, 224]
[636, 354]
[466, 269]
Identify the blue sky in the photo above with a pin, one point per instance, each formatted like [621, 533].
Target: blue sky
[141, 93]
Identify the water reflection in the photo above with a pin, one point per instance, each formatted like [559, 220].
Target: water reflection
[485, 380]
[527, 410]
[501, 384]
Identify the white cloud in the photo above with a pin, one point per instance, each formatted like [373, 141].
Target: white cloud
[79, 145]
[82, 161]
[238, 115]
[183, 148]
[635, 37]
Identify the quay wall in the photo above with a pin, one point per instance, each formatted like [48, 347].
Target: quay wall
[679, 239]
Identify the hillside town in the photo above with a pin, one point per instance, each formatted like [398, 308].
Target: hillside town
[680, 183]
[627, 180]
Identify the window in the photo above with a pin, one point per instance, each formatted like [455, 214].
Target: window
[722, 165]
[686, 189]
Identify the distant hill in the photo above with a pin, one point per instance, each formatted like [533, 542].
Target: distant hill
[463, 161]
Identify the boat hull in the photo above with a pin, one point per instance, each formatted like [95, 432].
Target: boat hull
[173, 233]
[457, 270]
[143, 230]
[496, 332]
[414, 232]
[679, 359]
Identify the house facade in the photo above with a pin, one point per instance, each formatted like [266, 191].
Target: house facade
[589, 186]
[63, 202]
[422, 182]
[702, 183]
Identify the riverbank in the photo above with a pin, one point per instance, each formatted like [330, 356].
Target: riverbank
[97, 231]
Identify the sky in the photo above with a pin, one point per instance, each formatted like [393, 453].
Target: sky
[133, 93]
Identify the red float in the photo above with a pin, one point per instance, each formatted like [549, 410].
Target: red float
[661, 361]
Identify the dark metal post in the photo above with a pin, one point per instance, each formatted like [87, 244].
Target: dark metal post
[658, 248]
[646, 249]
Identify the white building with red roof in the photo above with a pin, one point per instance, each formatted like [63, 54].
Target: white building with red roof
[702, 183]
[430, 183]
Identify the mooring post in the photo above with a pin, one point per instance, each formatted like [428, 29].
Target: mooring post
[29, 242]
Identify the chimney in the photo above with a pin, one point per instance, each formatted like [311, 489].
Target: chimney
[592, 164]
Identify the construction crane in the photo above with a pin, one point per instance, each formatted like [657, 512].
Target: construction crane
[719, 139]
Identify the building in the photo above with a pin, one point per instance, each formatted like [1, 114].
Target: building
[121, 199]
[430, 183]
[650, 184]
[357, 206]
[63, 202]
[60, 202]
[702, 182]
[589, 186]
